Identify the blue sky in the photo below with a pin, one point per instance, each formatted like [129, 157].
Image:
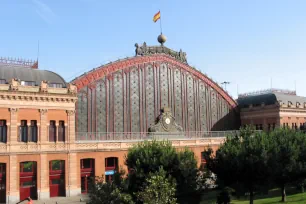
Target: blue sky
[245, 42]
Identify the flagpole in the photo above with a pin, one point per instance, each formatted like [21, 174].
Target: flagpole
[161, 30]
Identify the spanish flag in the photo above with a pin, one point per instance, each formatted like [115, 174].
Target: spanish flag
[156, 17]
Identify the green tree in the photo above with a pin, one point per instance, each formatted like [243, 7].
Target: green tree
[158, 189]
[286, 157]
[109, 192]
[241, 160]
[147, 157]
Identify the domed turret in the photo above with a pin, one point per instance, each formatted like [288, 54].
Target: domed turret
[162, 39]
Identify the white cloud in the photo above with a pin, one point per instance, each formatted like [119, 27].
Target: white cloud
[44, 11]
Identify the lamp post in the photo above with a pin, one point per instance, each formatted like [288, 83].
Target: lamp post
[225, 83]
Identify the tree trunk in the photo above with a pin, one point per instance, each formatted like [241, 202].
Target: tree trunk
[283, 193]
[251, 197]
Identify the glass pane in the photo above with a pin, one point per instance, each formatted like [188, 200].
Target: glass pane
[110, 162]
[27, 166]
[57, 181]
[86, 163]
[28, 184]
[56, 165]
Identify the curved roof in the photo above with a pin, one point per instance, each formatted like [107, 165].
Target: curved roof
[269, 99]
[24, 73]
[113, 67]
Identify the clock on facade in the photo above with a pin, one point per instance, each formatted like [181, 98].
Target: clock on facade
[167, 121]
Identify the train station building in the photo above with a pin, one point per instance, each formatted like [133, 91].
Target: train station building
[55, 135]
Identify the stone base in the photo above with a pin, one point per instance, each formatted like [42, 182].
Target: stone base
[12, 199]
[73, 192]
[43, 195]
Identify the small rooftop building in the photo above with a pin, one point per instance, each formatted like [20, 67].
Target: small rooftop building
[27, 73]
[37, 120]
[272, 108]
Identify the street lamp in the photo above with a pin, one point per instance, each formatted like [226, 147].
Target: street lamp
[225, 83]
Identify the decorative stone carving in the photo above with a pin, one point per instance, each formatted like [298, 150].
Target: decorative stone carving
[145, 50]
[13, 110]
[43, 111]
[70, 112]
[44, 86]
[166, 123]
[14, 84]
[72, 88]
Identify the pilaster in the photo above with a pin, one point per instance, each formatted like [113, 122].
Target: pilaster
[13, 126]
[44, 192]
[72, 188]
[71, 128]
[13, 191]
[43, 126]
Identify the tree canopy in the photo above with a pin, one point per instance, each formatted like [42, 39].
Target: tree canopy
[147, 157]
[253, 159]
[242, 159]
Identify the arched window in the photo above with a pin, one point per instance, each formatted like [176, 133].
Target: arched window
[203, 161]
[61, 131]
[111, 166]
[2, 182]
[87, 173]
[23, 131]
[33, 131]
[3, 131]
[57, 178]
[52, 131]
[28, 180]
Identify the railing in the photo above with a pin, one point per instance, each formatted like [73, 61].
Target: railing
[272, 90]
[117, 136]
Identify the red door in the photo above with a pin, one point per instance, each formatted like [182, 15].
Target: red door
[111, 166]
[28, 187]
[2, 183]
[87, 173]
[57, 178]
[57, 186]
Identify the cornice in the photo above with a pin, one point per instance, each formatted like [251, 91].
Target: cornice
[17, 96]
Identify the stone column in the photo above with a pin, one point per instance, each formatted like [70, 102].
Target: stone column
[13, 191]
[44, 192]
[56, 132]
[43, 126]
[14, 127]
[73, 175]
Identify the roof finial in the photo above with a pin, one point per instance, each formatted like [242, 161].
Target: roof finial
[162, 39]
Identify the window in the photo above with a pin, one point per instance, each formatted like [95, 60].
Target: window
[3, 131]
[57, 181]
[57, 165]
[55, 85]
[23, 131]
[86, 163]
[52, 131]
[27, 83]
[203, 161]
[61, 131]
[28, 184]
[2, 81]
[33, 131]
[269, 127]
[273, 126]
[27, 166]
